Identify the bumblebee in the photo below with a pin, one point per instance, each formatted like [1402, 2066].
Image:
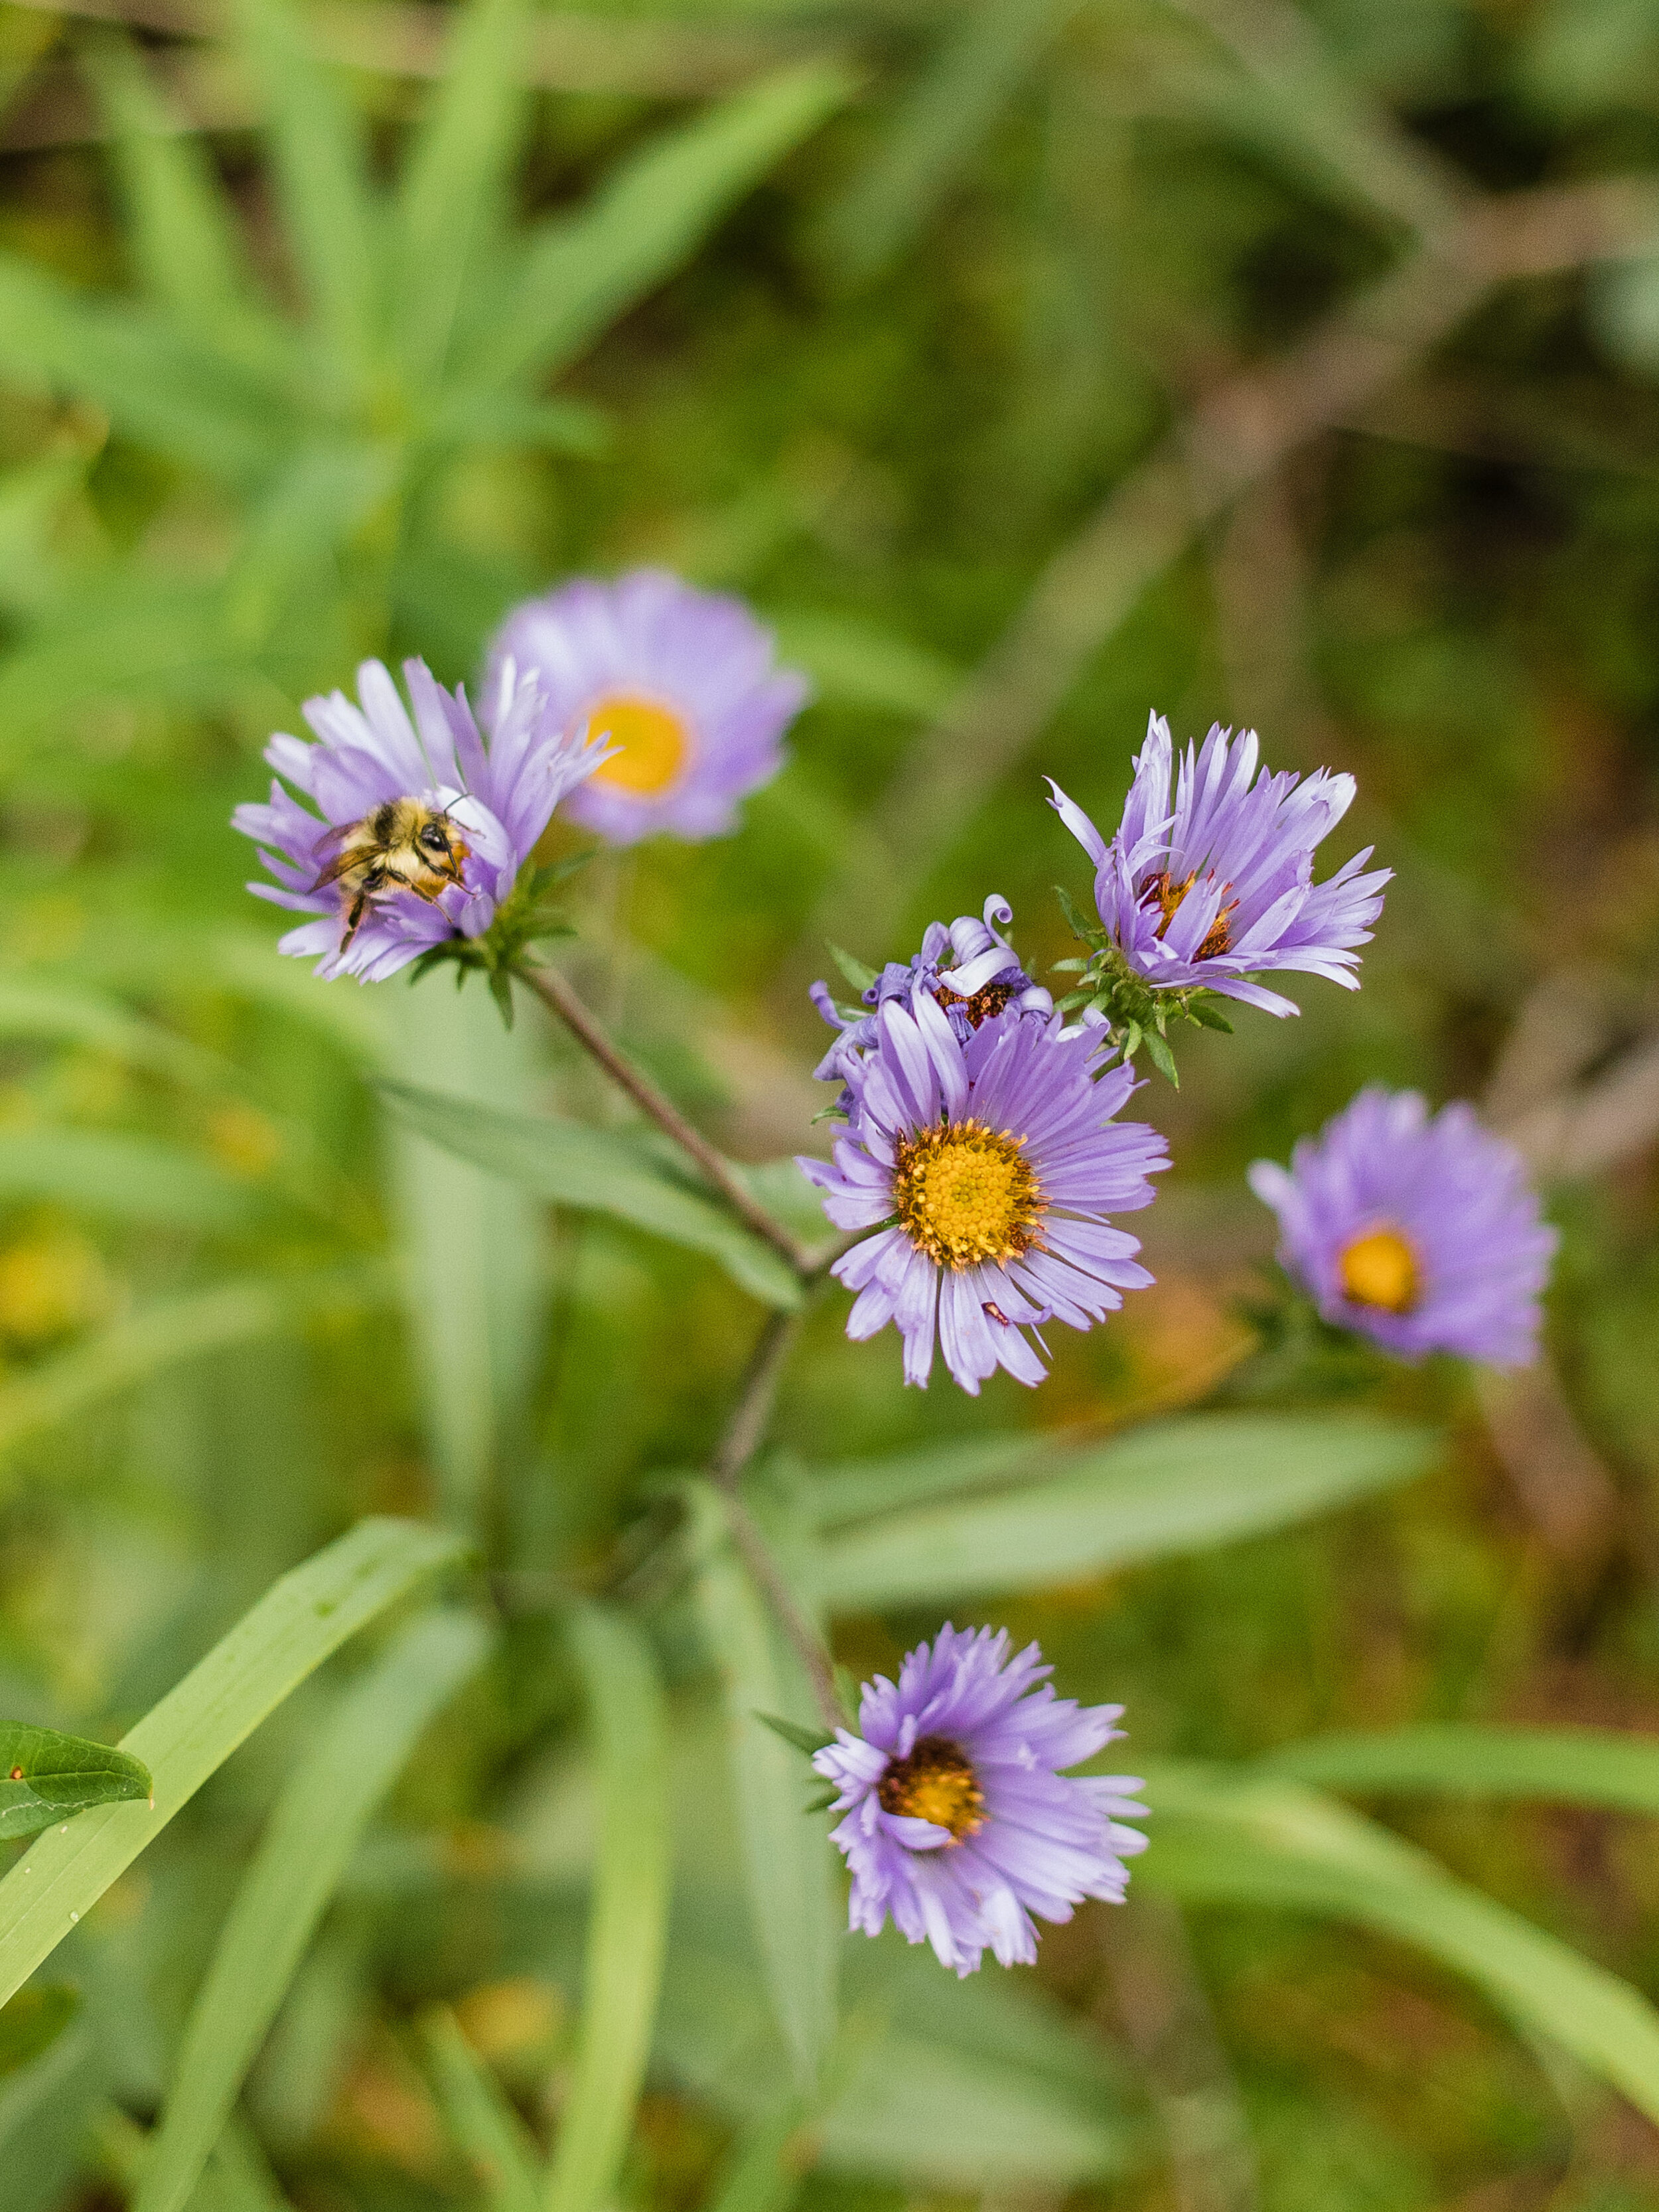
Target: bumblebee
[404, 845]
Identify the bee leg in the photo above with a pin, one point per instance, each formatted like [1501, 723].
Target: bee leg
[373, 882]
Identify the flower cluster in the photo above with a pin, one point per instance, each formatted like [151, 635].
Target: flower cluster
[980, 1160]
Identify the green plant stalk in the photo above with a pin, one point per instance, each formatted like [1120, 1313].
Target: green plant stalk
[627, 1929]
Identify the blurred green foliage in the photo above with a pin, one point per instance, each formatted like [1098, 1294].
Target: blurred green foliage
[1029, 365]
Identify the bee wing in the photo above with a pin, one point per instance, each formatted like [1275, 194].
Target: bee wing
[333, 843]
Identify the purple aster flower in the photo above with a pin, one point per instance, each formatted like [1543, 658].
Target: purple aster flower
[684, 685]
[1422, 1233]
[958, 1819]
[987, 1170]
[1220, 887]
[970, 968]
[422, 827]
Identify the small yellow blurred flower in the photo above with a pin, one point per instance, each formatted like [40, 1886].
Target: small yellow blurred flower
[247, 1141]
[51, 1284]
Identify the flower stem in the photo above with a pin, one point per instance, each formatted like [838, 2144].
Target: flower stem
[762, 1563]
[555, 992]
[747, 1426]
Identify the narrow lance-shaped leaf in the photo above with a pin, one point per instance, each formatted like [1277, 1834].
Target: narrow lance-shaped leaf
[486, 2128]
[1249, 1839]
[787, 1854]
[182, 229]
[163, 387]
[1175, 1486]
[296, 1625]
[311, 1833]
[453, 180]
[628, 1932]
[1558, 1766]
[46, 1777]
[599, 1171]
[987, 48]
[580, 273]
[322, 178]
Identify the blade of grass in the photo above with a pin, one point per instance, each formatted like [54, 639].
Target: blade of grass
[1171, 1487]
[182, 232]
[628, 1930]
[453, 184]
[312, 1831]
[1559, 1765]
[612, 1171]
[485, 2127]
[1221, 1837]
[164, 388]
[321, 168]
[786, 1858]
[298, 1623]
[580, 273]
[986, 52]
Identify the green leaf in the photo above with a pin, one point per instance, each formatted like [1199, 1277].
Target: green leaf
[161, 1336]
[130, 638]
[1261, 1841]
[1177, 1486]
[803, 1738]
[299, 1622]
[1205, 1010]
[474, 1252]
[628, 1930]
[451, 201]
[322, 179]
[181, 226]
[788, 1858]
[165, 389]
[44, 1777]
[484, 2123]
[598, 1171]
[853, 1489]
[858, 974]
[313, 1829]
[1162, 1059]
[321, 497]
[987, 50]
[761, 2175]
[125, 1178]
[1559, 1765]
[580, 273]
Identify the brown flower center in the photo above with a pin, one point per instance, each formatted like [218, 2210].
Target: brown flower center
[936, 1783]
[964, 1193]
[1167, 897]
[1379, 1268]
[982, 1005]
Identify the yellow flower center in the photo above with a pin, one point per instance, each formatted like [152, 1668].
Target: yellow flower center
[964, 1193]
[1379, 1268]
[936, 1783]
[655, 744]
